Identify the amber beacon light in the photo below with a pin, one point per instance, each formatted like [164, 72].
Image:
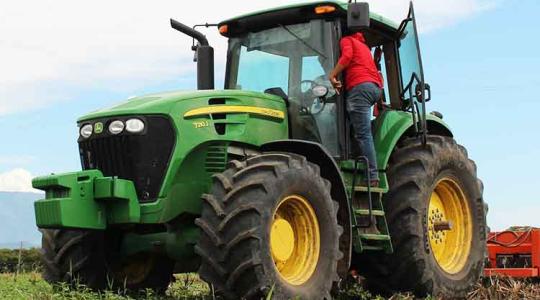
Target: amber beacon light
[325, 9]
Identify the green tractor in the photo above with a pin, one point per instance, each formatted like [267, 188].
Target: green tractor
[259, 187]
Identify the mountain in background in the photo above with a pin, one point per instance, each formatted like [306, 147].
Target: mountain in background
[17, 221]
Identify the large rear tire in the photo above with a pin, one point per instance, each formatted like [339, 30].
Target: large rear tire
[436, 219]
[270, 224]
[83, 257]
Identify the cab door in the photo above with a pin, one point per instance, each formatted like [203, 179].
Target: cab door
[413, 86]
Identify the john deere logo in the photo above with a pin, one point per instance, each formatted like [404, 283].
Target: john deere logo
[98, 127]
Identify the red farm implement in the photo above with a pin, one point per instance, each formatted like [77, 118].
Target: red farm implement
[514, 252]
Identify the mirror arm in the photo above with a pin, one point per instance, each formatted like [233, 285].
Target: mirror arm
[190, 32]
[401, 28]
[413, 108]
[408, 87]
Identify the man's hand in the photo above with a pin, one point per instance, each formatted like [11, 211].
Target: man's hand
[336, 84]
[333, 78]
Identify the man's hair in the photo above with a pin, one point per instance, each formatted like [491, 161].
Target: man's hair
[347, 32]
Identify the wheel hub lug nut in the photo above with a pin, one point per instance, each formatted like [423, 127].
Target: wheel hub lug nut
[442, 225]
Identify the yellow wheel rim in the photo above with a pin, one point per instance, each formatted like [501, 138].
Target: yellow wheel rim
[450, 226]
[295, 240]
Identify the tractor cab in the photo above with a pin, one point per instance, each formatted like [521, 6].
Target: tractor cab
[290, 52]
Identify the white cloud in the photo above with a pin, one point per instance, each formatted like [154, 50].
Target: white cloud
[51, 48]
[17, 180]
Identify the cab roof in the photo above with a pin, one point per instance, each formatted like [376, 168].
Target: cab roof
[341, 10]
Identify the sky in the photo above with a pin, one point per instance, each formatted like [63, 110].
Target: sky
[61, 59]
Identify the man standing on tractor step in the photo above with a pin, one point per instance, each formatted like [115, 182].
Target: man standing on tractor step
[363, 84]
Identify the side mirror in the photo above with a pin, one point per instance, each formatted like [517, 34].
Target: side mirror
[277, 91]
[358, 16]
[428, 92]
[419, 94]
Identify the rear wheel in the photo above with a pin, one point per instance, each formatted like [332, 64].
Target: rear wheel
[436, 220]
[82, 257]
[449, 225]
[270, 224]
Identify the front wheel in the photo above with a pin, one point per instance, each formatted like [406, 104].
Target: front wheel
[436, 219]
[270, 224]
[76, 256]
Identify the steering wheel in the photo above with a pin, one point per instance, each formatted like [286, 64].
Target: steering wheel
[306, 86]
[311, 103]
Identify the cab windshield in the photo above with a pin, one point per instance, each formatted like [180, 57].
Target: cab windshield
[295, 58]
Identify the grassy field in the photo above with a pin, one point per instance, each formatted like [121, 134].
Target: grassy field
[188, 286]
[32, 286]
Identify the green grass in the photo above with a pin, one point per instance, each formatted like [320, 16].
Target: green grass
[188, 286]
[32, 286]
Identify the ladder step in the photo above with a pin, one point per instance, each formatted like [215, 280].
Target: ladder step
[372, 248]
[365, 212]
[375, 237]
[365, 189]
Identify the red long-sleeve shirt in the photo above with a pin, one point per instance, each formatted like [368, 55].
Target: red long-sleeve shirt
[358, 62]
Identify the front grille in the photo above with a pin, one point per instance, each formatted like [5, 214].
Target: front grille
[216, 158]
[141, 158]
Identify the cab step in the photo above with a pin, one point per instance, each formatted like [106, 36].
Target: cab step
[371, 189]
[366, 205]
[365, 212]
[373, 248]
[375, 237]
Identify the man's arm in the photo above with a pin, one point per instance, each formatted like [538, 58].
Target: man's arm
[346, 51]
[344, 61]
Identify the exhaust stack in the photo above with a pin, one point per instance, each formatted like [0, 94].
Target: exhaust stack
[204, 54]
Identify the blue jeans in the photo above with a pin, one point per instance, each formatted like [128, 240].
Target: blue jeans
[360, 99]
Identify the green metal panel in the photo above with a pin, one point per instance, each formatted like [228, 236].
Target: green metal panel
[162, 103]
[390, 127]
[339, 4]
[69, 201]
[85, 199]
[177, 244]
[120, 199]
[188, 174]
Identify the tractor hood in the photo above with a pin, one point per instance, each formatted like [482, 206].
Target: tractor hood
[178, 128]
[163, 103]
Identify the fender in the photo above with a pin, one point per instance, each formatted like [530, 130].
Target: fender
[316, 153]
[393, 125]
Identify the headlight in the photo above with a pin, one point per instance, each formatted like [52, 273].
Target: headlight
[86, 131]
[134, 125]
[116, 127]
